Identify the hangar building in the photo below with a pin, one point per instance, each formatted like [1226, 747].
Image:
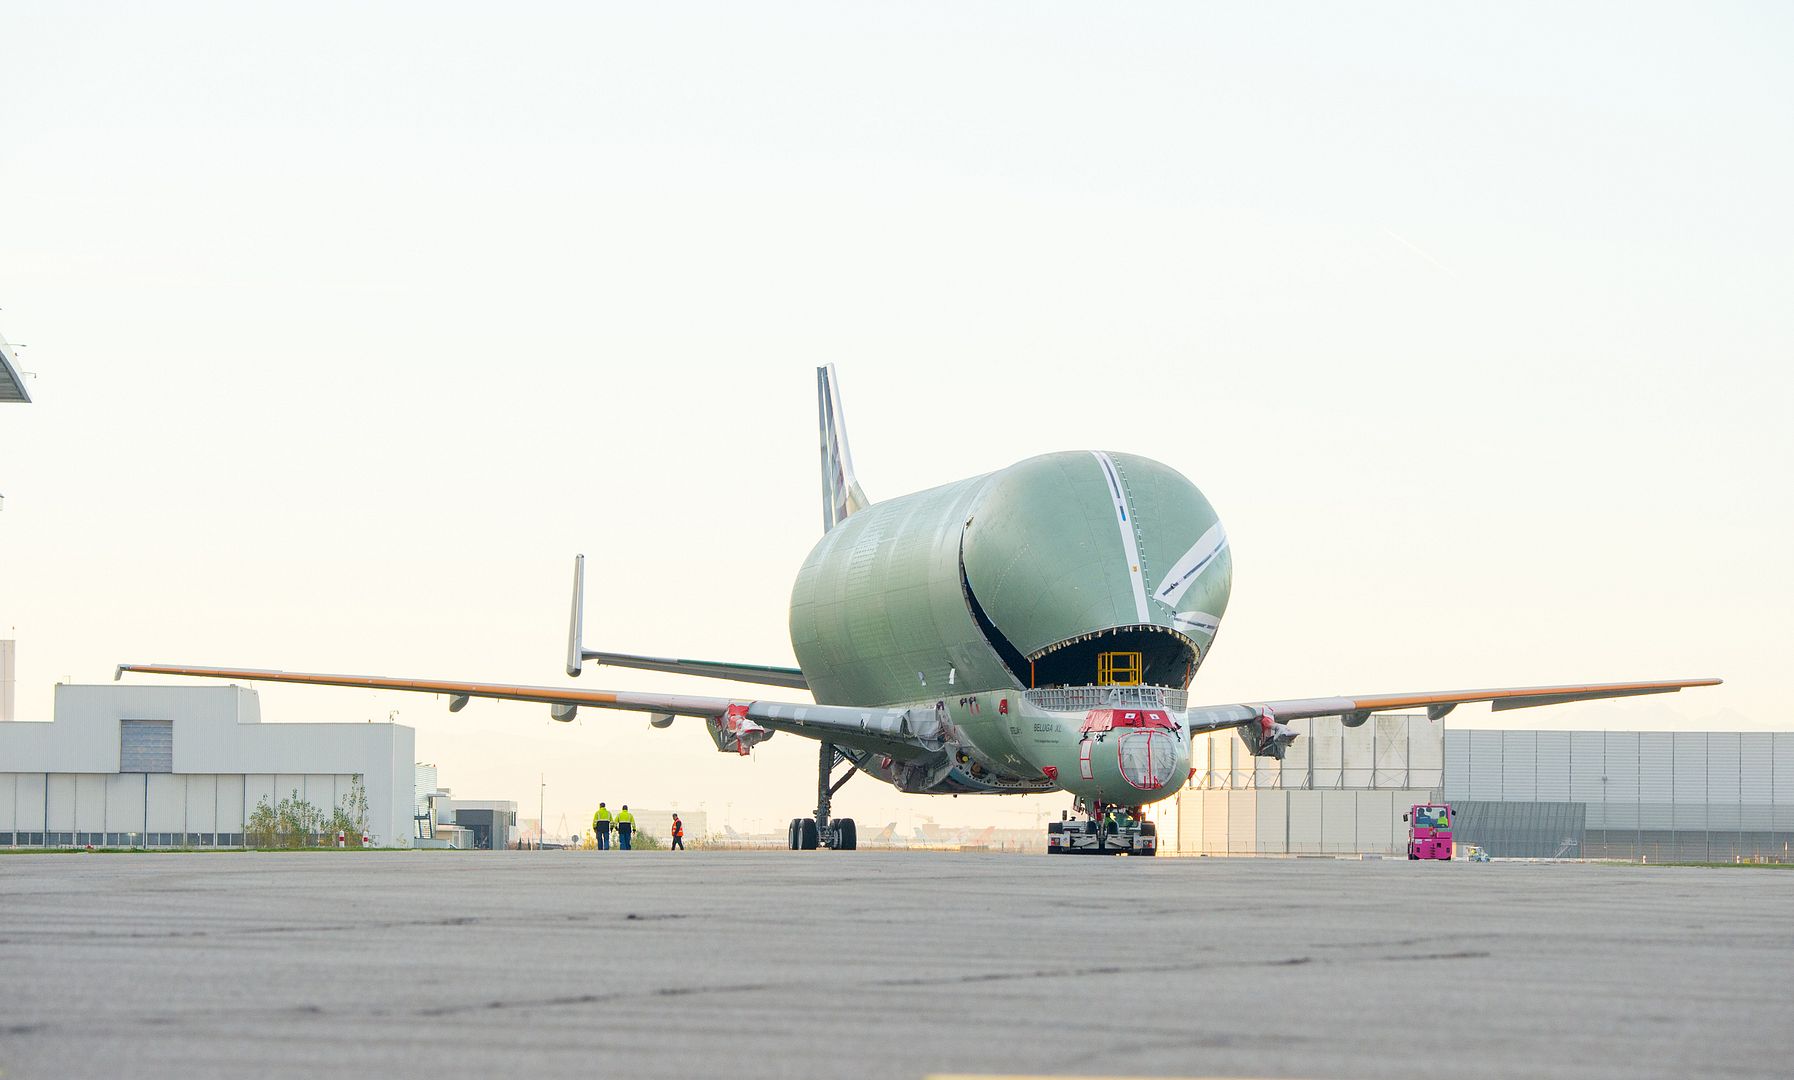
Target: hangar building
[1657, 795]
[186, 766]
[1337, 791]
[1662, 796]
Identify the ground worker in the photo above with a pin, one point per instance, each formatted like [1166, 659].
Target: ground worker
[678, 834]
[601, 828]
[625, 827]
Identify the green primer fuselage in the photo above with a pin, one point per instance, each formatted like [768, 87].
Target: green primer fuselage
[989, 599]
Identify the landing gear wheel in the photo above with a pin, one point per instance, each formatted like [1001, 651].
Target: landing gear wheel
[806, 835]
[793, 834]
[846, 836]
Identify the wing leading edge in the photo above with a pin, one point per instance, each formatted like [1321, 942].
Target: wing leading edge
[1355, 710]
[899, 732]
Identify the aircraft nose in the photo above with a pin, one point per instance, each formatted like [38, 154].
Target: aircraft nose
[1150, 759]
[1133, 756]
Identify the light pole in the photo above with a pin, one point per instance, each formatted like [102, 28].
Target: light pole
[541, 814]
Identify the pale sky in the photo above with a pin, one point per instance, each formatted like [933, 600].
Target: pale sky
[352, 324]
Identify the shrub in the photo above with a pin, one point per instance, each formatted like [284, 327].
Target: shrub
[294, 823]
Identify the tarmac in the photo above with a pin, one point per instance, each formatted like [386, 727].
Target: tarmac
[886, 964]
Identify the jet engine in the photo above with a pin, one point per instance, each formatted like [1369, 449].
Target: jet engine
[1266, 737]
[734, 732]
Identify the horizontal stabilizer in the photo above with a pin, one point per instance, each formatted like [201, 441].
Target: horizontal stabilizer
[764, 674]
[577, 653]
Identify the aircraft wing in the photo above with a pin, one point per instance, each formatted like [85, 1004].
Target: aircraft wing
[1355, 710]
[902, 733]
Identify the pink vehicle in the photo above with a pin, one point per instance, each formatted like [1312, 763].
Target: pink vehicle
[1429, 831]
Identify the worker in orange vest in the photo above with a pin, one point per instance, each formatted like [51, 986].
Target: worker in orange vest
[678, 834]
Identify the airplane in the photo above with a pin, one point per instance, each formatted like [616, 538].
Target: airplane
[1031, 630]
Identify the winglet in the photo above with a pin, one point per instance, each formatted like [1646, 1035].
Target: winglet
[576, 654]
[841, 494]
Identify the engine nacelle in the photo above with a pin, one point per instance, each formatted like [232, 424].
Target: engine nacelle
[1266, 737]
[734, 732]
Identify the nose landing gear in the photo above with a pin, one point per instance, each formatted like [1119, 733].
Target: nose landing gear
[839, 834]
[1104, 830]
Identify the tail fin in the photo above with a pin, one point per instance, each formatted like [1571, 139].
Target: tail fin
[841, 494]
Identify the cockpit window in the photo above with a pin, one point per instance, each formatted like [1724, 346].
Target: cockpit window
[1148, 758]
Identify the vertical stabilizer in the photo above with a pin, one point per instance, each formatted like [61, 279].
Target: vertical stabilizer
[841, 494]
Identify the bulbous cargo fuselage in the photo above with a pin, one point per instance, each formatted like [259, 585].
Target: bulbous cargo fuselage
[1005, 602]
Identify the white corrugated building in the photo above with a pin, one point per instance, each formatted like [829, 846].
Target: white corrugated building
[1657, 795]
[1338, 790]
[1660, 795]
[186, 766]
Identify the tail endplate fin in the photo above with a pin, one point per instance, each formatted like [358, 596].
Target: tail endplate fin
[841, 494]
[576, 653]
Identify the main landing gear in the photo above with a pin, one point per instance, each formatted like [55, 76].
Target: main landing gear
[808, 834]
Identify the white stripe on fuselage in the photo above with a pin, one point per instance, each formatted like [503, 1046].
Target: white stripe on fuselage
[1125, 519]
[1199, 620]
[1184, 573]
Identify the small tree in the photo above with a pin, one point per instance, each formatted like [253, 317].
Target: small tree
[262, 826]
[351, 815]
[294, 823]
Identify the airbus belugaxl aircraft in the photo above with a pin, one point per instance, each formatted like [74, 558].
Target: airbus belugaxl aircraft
[1030, 630]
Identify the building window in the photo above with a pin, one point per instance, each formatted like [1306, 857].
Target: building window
[146, 746]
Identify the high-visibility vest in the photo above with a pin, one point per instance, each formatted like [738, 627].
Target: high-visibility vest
[678, 827]
[626, 818]
[603, 814]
